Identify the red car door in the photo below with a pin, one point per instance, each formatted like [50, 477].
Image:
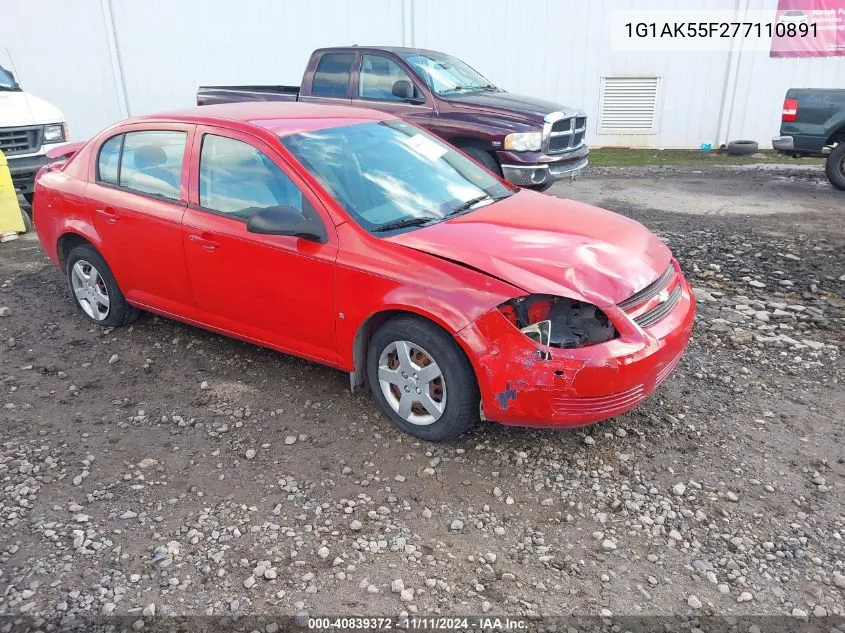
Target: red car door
[138, 196]
[276, 290]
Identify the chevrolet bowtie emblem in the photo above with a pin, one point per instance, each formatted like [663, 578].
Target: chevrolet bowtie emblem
[663, 296]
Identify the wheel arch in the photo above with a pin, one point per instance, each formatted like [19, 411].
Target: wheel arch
[838, 136]
[368, 327]
[67, 242]
[472, 141]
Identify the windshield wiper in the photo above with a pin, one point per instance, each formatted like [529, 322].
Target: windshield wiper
[402, 223]
[469, 204]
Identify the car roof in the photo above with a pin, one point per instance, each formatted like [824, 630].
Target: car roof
[398, 50]
[281, 118]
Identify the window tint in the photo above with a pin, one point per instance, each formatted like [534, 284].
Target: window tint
[332, 75]
[378, 74]
[237, 179]
[108, 160]
[152, 162]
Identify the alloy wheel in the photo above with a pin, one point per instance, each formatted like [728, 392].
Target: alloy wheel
[90, 290]
[412, 383]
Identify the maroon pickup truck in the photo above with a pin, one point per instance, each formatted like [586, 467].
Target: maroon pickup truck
[530, 142]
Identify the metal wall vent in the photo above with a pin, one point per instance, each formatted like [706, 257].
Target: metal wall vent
[628, 105]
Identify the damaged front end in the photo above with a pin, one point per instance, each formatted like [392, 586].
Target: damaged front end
[544, 360]
[558, 321]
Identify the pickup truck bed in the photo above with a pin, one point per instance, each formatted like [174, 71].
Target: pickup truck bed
[209, 95]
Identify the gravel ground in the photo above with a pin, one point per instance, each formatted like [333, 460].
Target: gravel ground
[160, 469]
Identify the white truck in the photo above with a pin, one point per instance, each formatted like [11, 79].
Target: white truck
[28, 127]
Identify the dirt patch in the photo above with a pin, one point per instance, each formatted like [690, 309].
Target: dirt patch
[131, 487]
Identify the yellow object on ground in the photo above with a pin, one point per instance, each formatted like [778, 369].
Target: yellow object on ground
[11, 220]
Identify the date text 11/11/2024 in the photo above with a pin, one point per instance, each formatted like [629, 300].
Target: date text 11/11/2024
[682, 30]
[418, 623]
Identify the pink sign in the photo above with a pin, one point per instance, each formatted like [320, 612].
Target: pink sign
[809, 28]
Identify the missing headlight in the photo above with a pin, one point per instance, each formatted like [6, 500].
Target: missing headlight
[559, 321]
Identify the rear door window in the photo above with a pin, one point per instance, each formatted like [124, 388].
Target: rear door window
[331, 77]
[151, 162]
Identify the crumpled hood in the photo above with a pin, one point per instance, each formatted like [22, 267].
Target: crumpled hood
[547, 245]
[22, 108]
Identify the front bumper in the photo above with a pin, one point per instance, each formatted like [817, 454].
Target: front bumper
[526, 169]
[577, 386]
[23, 170]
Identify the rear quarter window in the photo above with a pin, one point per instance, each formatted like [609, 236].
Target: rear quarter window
[331, 77]
[108, 160]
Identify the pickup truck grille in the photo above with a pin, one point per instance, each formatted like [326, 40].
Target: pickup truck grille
[563, 133]
[20, 140]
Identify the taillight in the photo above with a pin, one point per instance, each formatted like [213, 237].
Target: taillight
[790, 110]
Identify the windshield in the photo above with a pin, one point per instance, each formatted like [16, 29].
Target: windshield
[446, 74]
[6, 81]
[390, 175]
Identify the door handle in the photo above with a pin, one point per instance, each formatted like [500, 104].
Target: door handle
[204, 241]
[108, 215]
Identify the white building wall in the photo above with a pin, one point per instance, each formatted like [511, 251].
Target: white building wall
[60, 53]
[169, 48]
[162, 50]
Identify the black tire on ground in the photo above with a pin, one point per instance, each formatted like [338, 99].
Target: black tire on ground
[27, 221]
[461, 410]
[484, 157]
[119, 311]
[742, 148]
[541, 188]
[29, 198]
[834, 166]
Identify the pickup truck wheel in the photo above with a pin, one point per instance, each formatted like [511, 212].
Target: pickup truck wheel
[834, 167]
[422, 380]
[484, 157]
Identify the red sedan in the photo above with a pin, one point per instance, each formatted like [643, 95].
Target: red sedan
[355, 239]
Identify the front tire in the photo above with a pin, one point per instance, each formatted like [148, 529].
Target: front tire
[834, 166]
[94, 289]
[422, 380]
[484, 157]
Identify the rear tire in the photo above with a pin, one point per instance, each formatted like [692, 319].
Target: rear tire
[484, 157]
[834, 166]
[434, 405]
[29, 197]
[27, 222]
[94, 290]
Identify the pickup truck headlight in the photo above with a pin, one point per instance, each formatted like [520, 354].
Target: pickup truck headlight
[558, 321]
[524, 141]
[54, 133]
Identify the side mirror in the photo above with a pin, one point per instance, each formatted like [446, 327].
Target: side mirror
[404, 89]
[285, 220]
